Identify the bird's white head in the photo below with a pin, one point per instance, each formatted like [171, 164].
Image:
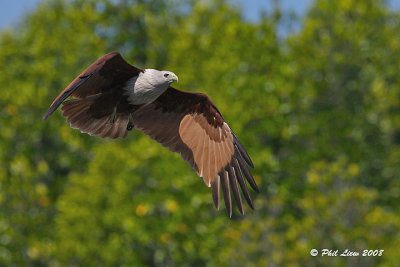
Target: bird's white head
[160, 77]
[149, 85]
[169, 76]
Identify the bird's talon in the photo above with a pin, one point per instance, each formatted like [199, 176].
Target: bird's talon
[130, 125]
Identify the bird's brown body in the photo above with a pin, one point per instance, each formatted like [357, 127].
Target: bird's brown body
[102, 103]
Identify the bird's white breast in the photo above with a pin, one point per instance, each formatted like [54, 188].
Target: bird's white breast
[145, 88]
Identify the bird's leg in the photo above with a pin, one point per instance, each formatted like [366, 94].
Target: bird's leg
[130, 125]
[114, 115]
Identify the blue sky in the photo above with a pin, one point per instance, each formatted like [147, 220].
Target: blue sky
[12, 11]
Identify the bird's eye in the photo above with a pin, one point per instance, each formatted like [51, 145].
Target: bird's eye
[166, 75]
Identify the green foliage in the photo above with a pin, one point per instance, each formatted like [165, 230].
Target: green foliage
[318, 112]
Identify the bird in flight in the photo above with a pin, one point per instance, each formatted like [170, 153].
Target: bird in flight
[112, 97]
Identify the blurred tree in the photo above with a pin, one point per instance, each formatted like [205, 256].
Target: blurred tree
[166, 221]
[336, 184]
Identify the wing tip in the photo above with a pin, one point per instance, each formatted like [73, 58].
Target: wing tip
[48, 113]
[254, 185]
[256, 188]
[215, 191]
[229, 213]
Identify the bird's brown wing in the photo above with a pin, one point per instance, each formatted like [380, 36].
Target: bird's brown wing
[98, 105]
[191, 125]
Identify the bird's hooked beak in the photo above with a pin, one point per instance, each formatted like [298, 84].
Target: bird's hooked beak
[173, 77]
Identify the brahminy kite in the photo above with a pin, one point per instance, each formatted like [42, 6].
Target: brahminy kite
[112, 97]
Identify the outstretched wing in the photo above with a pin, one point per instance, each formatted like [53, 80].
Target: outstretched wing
[191, 125]
[98, 105]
